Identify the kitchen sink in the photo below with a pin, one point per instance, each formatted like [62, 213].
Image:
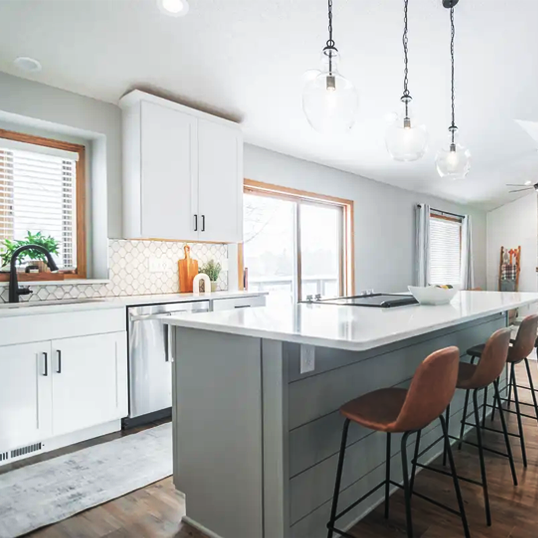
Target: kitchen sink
[59, 302]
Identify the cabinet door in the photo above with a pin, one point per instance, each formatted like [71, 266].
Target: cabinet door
[89, 381]
[25, 394]
[169, 175]
[220, 182]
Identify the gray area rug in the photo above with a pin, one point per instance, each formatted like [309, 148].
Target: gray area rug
[47, 492]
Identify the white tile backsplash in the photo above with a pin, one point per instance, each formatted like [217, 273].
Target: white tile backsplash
[129, 271]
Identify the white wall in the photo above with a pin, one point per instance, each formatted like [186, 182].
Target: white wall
[384, 217]
[512, 225]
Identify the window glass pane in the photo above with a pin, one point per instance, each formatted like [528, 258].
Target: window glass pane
[321, 249]
[445, 251]
[37, 194]
[269, 246]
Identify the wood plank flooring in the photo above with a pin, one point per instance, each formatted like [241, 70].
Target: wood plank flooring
[155, 511]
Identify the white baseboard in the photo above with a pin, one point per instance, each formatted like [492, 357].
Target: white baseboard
[200, 527]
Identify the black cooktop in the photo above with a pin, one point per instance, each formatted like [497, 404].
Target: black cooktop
[376, 300]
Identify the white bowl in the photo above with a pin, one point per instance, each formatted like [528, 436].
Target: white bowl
[432, 295]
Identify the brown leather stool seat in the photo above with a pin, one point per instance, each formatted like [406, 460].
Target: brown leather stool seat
[396, 410]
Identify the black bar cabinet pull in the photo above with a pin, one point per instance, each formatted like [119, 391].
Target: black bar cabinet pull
[195, 223]
[46, 357]
[59, 352]
[203, 223]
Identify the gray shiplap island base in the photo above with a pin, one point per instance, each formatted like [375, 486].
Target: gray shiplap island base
[256, 441]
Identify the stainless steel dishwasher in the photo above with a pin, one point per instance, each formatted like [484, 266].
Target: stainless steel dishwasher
[150, 371]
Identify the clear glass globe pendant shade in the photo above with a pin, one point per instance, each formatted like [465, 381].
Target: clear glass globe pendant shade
[454, 162]
[330, 101]
[405, 138]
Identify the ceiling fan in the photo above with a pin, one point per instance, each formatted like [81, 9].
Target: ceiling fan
[527, 186]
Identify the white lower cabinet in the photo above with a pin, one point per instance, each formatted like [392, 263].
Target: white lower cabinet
[72, 384]
[89, 381]
[25, 395]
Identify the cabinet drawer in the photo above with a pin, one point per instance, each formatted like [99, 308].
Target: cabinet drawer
[37, 327]
[242, 302]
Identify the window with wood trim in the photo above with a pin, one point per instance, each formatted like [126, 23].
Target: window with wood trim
[296, 243]
[42, 189]
[445, 248]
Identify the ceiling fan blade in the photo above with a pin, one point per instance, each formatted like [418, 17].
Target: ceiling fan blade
[522, 190]
[517, 185]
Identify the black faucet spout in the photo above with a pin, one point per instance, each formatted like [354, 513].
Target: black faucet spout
[14, 291]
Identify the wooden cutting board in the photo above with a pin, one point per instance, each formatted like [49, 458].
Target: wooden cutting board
[188, 269]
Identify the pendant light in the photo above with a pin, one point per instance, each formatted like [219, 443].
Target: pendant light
[454, 162]
[406, 139]
[330, 101]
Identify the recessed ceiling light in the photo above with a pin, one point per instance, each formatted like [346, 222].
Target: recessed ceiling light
[174, 8]
[28, 64]
[528, 182]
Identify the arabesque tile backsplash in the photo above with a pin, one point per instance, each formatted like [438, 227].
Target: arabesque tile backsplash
[129, 271]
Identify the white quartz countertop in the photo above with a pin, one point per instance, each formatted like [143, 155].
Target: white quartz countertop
[353, 327]
[72, 305]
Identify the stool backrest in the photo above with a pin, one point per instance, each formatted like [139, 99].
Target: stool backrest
[525, 339]
[431, 390]
[493, 358]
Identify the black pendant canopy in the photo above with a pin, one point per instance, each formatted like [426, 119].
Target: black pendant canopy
[450, 3]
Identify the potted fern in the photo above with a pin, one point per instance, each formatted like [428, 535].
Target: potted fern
[32, 257]
[212, 269]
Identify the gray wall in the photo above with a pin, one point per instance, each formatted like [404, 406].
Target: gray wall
[384, 217]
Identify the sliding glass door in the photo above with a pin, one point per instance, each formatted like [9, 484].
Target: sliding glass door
[294, 247]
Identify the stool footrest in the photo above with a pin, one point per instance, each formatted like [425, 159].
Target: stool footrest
[487, 428]
[356, 503]
[446, 473]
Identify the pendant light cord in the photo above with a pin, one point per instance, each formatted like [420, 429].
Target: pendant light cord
[330, 45]
[453, 127]
[406, 97]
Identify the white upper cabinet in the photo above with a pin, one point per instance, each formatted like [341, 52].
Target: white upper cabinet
[183, 172]
[220, 194]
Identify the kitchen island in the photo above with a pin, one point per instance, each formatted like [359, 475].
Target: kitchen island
[256, 399]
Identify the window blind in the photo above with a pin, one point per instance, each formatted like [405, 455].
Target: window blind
[38, 193]
[445, 251]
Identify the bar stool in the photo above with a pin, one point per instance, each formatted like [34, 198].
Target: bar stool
[477, 378]
[395, 410]
[518, 352]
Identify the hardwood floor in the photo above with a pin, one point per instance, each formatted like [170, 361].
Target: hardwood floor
[155, 511]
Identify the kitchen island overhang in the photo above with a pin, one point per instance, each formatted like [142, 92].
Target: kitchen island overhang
[256, 436]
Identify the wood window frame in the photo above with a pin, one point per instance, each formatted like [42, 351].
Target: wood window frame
[347, 269]
[81, 271]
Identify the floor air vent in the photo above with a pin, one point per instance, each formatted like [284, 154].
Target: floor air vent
[23, 451]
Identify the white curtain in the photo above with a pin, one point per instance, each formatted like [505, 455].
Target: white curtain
[467, 271]
[422, 245]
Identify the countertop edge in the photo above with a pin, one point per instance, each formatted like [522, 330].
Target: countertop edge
[193, 323]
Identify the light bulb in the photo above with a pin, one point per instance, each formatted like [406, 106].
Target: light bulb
[330, 101]
[454, 162]
[405, 138]
[175, 8]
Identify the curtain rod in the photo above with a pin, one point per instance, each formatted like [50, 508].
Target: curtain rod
[445, 212]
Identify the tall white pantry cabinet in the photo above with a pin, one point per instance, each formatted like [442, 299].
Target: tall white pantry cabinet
[182, 172]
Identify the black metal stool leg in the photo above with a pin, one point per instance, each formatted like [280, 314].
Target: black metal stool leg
[415, 459]
[505, 433]
[407, 490]
[531, 385]
[447, 418]
[485, 407]
[519, 422]
[338, 478]
[481, 456]
[510, 381]
[387, 476]
[463, 418]
[455, 480]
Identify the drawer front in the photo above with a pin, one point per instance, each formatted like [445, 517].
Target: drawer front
[242, 302]
[37, 327]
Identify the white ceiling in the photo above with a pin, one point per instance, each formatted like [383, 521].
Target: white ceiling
[244, 59]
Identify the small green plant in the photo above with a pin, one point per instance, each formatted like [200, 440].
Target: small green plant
[212, 269]
[47, 242]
